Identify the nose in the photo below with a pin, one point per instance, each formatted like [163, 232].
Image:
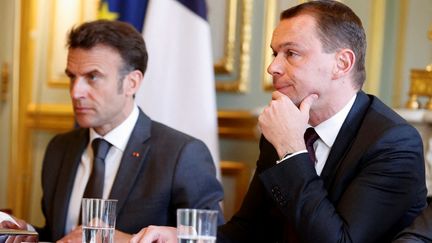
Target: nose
[275, 68]
[77, 88]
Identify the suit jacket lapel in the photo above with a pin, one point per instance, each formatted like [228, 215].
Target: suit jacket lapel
[132, 162]
[72, 158]
[345, 138]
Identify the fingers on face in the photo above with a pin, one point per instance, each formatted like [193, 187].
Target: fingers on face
[276, 95]
[308, 102]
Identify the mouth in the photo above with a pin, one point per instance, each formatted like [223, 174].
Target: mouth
[282, 87]
[81, 110]
[282, 84]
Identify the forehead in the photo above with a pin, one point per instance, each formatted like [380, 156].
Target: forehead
[99, 56]
[299, 30]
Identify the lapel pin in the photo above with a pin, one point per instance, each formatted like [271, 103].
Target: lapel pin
[135, 154]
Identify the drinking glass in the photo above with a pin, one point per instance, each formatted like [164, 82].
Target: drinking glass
[196, 225]
[98, 220]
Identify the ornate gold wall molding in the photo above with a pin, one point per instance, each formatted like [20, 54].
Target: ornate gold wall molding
[238, 30]
[237, 124]
[225, 65]
[59, 25]
[238, 171]
[400, 53]
[375, 38]
[50, 117]
[271, 11]
[15, 136]
[20, 166]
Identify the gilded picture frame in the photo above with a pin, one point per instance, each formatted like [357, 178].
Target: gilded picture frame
[232, 60]
[79, 11]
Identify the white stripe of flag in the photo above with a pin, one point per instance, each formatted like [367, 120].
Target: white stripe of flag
[179, 86]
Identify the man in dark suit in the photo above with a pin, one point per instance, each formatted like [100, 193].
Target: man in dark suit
[359, 176]
[150, 169]
[420, 231]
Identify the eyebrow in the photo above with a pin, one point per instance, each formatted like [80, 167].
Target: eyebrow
[289, 44]
[285, 45]
[93, 71]
[68, 73]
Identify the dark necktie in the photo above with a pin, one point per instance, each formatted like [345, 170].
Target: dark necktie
[95, 185]
[310, 137]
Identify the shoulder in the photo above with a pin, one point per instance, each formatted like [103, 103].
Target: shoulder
[62, 139]
[166, 141]
[159, 132]
[381, 119]
[378, 108]
[168, 135]
[162, 129]
[386, 137]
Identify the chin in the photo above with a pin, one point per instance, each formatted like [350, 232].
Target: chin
[294, 98]
[288, 91]
[82, 123]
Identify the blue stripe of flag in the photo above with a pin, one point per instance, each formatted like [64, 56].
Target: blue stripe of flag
[197, 6]
[131, 11]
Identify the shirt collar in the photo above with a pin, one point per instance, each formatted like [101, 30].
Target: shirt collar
[329, 129]
[119, 136]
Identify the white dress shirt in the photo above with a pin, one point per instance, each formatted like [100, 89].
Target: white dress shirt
[118, 138]
[327, 131]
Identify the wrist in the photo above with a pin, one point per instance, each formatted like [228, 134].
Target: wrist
[288, 148]
[286, 155]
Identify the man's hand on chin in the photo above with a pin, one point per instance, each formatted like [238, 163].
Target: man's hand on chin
[283, 123]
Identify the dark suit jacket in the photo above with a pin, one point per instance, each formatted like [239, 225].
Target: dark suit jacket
[371, 187]
[419, 231]
[173, 171]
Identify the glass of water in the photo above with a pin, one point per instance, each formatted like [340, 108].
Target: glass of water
[98, 220]
[196, 225]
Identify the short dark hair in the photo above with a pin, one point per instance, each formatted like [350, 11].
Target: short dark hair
[118, 35]
[337, 27]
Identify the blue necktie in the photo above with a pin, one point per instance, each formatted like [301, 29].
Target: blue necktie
[95, 185]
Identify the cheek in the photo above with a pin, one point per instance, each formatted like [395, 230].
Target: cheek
[93, 95]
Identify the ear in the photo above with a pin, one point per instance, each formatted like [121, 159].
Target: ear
[132, 82]
[345, 60]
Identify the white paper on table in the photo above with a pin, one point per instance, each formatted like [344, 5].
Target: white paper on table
[7, 217]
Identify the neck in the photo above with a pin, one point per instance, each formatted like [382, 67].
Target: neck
[116, 121]
[325, 109]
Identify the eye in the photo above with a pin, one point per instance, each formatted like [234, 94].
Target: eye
[291, 53]
[92, 76]
[274, 54]
[71, 77]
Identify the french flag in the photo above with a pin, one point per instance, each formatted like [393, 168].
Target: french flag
[179, 85]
